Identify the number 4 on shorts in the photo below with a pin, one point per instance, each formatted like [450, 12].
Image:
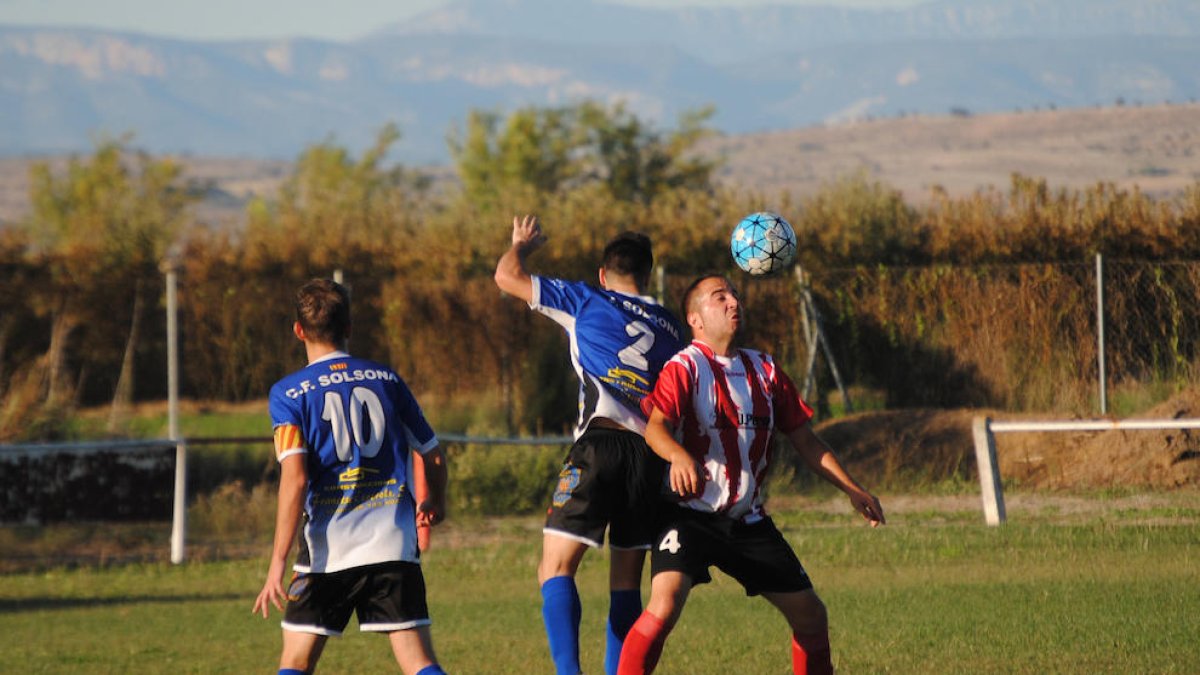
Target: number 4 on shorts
[670, 542]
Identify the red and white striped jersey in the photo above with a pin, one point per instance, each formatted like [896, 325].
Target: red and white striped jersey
[725, 412]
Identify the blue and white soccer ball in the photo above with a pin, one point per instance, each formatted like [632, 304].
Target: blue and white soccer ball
[763, 243]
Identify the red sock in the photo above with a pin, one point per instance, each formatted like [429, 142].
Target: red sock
[810, 654]
[643, 646]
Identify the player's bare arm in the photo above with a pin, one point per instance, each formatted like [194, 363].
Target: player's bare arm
[293, 478]
[511, 275]
[432, 510]
[686, 474]
[821, 459]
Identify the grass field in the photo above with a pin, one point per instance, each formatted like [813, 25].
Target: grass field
[1104, 584]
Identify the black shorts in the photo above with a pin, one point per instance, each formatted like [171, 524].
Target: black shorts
[755, 554]
[387, 597]
[610, 478]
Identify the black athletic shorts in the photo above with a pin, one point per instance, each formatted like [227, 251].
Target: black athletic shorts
[755, 554]
[387, 597]
[610, 478]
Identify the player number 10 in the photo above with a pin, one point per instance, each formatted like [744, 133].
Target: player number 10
[344, 425]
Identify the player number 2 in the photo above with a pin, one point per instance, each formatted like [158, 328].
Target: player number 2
[635, 354]
[344, 425]
[670, 542]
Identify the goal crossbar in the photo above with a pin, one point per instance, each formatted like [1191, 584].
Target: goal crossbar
[984, 431]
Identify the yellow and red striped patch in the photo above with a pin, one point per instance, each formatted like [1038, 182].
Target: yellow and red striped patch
[287, 437]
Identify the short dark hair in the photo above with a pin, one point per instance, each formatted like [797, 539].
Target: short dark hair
[686, 305]
[323, 310]
[630, 254]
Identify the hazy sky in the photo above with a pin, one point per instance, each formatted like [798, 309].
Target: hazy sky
[226, 19]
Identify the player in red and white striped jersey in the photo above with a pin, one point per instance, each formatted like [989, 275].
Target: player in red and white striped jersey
[713, 414]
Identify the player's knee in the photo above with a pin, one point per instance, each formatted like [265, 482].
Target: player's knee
[299, 664]
[553, 567]
[625, 569]
[808, 615]
[666, 608]
[559, 559]
[301, 655]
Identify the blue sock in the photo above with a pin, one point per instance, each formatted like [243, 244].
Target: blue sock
[624, 608]
[435, 669]
[291, 671]
[561, 612]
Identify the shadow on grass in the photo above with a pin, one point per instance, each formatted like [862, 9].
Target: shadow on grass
[45, 603]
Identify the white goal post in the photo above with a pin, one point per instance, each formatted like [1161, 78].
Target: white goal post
[984, 431]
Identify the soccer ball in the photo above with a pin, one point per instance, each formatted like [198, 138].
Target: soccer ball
[763, 243]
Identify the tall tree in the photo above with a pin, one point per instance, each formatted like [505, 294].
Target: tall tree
[100, 228]
[549, 150]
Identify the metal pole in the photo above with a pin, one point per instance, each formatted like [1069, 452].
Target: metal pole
[989, 472]
[819, 329]
[179, 515]
[810, 335]
[1100, 333]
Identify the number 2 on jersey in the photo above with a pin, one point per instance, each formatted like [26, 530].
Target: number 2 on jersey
[635, 354]
[344, 425]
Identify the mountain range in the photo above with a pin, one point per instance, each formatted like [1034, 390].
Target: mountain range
[763, 68]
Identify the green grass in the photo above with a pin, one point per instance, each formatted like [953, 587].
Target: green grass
[1106, 591]
[195, 420]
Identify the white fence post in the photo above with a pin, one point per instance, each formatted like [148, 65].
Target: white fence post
[1100, 333]
[179, 512]
[989, 471]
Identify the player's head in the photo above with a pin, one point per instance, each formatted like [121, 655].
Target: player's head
[323, 311]
[712, 307]
[630, 255]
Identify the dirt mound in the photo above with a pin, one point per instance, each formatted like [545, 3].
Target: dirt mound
[1153, 458]
[903, 444]
[938, 444]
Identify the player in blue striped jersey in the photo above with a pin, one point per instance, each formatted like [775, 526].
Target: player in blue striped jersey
[619, 340]
[344, 431]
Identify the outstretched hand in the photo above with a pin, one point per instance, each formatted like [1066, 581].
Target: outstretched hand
[272, 593]
[430, 513]
[527, 235]
[868, 505]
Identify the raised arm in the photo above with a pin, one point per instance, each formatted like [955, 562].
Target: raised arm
[820, 458]
[511, 275]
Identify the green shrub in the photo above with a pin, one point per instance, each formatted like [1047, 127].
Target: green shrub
[502, 480]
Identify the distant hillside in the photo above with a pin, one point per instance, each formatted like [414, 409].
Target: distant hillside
[731, 35]
[763, 68]
[1154, 147]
